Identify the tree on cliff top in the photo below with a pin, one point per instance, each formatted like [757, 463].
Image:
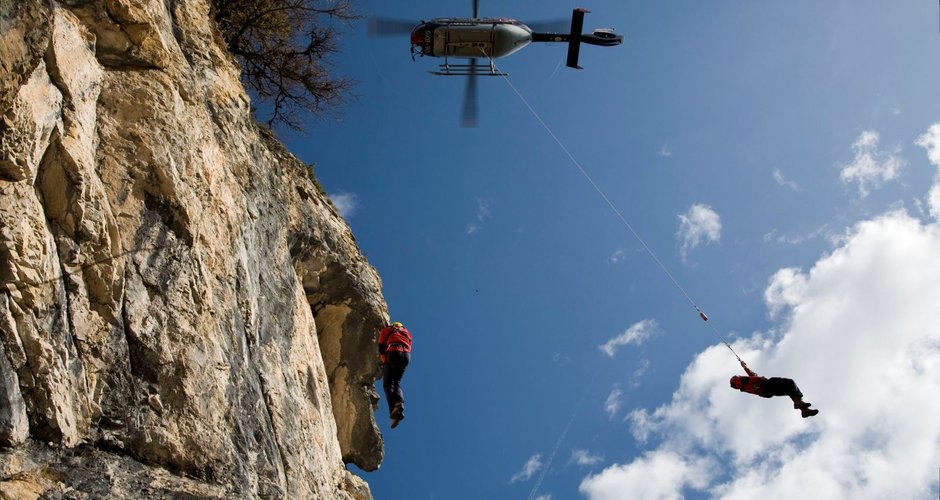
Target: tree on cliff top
[282, 46]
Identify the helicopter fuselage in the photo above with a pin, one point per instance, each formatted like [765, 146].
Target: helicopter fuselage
[469, 38]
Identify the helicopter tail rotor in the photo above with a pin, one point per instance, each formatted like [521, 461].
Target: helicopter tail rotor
[574, 40]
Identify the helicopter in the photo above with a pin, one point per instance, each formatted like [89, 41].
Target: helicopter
[490, 38]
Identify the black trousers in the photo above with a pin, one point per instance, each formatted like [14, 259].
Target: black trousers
[392, 372]
[778, 386]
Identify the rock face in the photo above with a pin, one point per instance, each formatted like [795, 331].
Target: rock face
[182, 310]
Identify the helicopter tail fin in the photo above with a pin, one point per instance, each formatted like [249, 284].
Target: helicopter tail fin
[574, 42]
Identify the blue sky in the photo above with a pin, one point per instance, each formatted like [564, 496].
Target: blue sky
[779, 158]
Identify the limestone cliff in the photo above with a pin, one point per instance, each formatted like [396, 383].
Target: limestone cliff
[183, 313]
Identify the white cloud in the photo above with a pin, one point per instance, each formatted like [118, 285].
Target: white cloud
[543, 497]
[622, 254]
[933, 201]
[657, 475]
[783, 181]
[585, 458]
[775, 237]
[641, 425]
[347, 204]
[532, 465]
[618, 255]
[562, 359]
[483, 213]
[870, 166]
[613, 403]
[640, 371]
[931, 142]
[700, 224]
[858, 333]
[665, 151]
[636, 334]
[786, 289]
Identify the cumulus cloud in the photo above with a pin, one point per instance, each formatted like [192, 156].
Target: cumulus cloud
[636, 334]
[931, 142]
[660, 474]
[871, 167]
[699, 225]
[483, 213]
[585, 458]
[641, 425]
[531, 466]
[857, 331]
[786, 289]
[347, 204]
[783, 181]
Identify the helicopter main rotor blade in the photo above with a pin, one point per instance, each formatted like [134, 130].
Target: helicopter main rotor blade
[476, 9]
[384, 26]
[469, 118]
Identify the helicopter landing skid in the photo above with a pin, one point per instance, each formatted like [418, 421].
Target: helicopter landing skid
[467, 70]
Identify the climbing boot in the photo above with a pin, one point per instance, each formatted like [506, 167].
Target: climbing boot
[801, 405]
[809, 413]
[397, 414]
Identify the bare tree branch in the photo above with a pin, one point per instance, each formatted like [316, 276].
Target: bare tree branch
[283, 47]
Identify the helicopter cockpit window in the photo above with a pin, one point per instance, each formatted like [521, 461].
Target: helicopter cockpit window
[421, 40]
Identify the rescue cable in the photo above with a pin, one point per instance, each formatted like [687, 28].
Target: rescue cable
[619, 215]
[662, 267]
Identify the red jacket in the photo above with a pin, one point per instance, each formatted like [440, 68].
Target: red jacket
[750, 384]
[394, 339]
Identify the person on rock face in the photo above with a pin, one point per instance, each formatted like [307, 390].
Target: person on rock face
[395, 353]
[770, 387]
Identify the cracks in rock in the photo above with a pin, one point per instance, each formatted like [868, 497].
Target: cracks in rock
[55, 78]
[277, 443]
[72, 342]
[177, 30]
[125, 325]
[172, 216]
[115, 58]
[252, 345]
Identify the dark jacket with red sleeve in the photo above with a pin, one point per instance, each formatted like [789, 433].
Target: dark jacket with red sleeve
[394, 339]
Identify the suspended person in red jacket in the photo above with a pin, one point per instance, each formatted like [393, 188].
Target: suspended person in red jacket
[770, 387]
[394, 351]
